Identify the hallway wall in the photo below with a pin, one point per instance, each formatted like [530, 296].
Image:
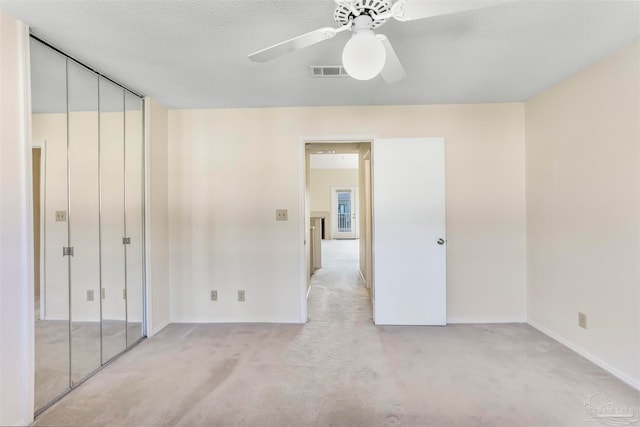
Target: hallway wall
[230, 169]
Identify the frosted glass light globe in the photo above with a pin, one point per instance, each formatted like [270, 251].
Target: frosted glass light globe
[363, 56]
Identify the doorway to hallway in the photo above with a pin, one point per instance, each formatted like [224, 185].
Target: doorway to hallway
[336, 292]
[409, 225]
[337, 220]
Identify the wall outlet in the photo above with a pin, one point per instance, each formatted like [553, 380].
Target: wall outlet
[90, 296]
[214, 295]
[282, 215]
[241, 296]
[582, 320]
[61, 216]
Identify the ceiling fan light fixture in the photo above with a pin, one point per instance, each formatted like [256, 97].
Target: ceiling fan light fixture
[364, 55]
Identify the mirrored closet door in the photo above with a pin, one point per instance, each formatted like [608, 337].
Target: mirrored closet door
[49, 134]
[88, 135]
[112, 249]
[134, 216]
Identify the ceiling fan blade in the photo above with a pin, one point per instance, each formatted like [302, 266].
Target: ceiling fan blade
[409, 10]
[393, 71]
[294, 44]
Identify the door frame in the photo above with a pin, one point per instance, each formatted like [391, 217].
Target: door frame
[355, 205]
[304, 208]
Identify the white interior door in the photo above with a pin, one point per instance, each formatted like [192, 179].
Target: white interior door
[409, 231]
[344, 213]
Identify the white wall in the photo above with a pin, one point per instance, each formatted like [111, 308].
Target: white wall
[583, 213]
[157, 216]
[16, 227]
[322, 181]
[230, 169]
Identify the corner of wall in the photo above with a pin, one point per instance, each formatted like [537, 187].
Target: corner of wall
[16, 223]
[157, 217]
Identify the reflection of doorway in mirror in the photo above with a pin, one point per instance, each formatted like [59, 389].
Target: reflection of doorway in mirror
[35, 158]
[38, 175]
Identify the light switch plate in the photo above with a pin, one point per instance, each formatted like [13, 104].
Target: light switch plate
[282, 215]
[214, 295]
[61, 216]
[241, 296]
[90, 296]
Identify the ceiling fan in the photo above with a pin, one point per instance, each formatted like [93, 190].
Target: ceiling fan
[368, 54]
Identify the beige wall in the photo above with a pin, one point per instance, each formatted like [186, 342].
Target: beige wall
[16, 227]
[322, 180]
[583, 214]
[157, 216]
[230, 169]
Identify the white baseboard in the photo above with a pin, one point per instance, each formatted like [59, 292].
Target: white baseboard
[476, 320]
[590, 357]
[158, 328]
[364, 282]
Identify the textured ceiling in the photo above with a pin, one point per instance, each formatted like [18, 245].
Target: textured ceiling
[193, 53]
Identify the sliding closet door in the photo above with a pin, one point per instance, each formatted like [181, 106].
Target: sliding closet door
[84, 220]
[112, 253]
[134, 208]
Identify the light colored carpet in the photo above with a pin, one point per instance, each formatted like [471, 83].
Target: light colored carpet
[341, 370]
[52, 351]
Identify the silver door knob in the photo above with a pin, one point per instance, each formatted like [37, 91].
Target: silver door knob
[441, 241]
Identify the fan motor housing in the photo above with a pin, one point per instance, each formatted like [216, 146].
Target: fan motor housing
[343, 14]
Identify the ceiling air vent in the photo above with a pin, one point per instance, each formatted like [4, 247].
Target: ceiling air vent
[328, 71]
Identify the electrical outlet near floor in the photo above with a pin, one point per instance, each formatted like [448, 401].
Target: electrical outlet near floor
[90, 296]
[582, 320]
[214, 295]
[241, 296]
